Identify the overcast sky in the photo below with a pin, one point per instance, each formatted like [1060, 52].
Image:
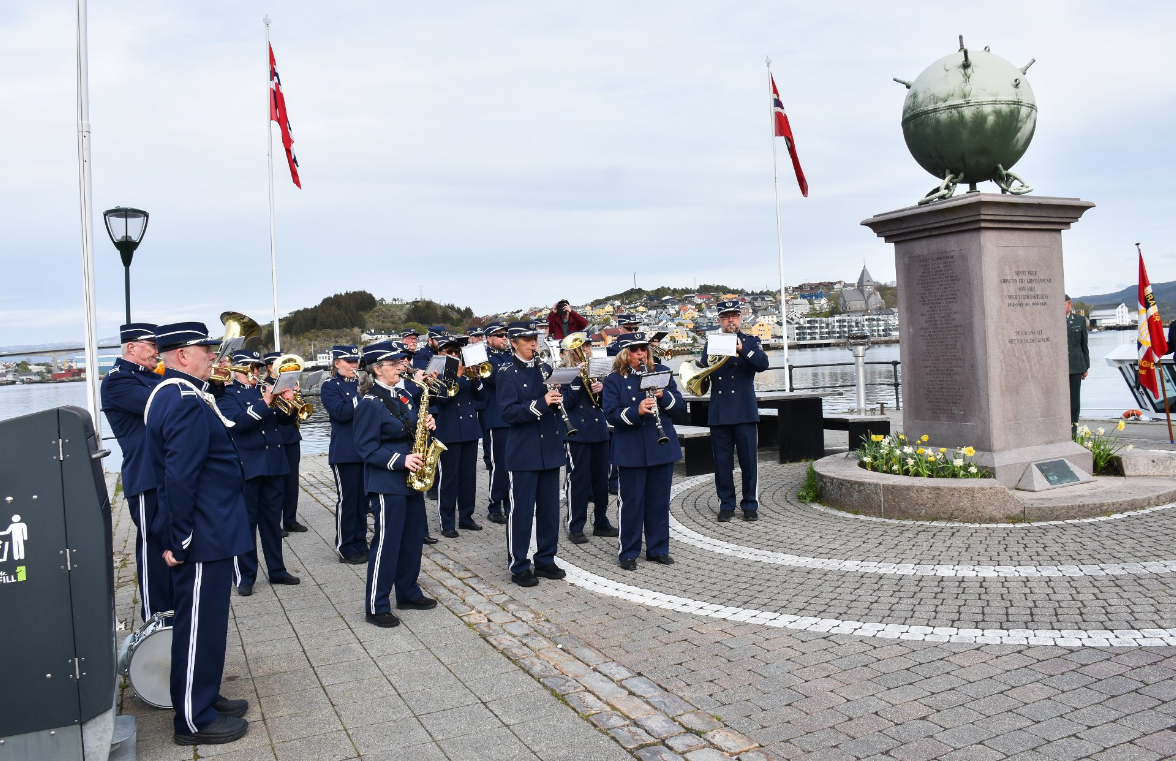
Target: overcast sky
[506, 154]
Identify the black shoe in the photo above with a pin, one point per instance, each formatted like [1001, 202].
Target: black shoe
[234, 708]
[224, 729]
[245, 590]
[285, 533]
[612, 490]
[430, 539]
[605, 531]
[524, 579]
[750, 515]
[498, 518]
[358, 558]
[431, 494]
[287, 579]
[577, 537]
[424, 603]
[450, 534]
[382, 620]
[297, 527]
[550, 571]
[471, 526]
[629, 565]
[663, 559]
[725, 516]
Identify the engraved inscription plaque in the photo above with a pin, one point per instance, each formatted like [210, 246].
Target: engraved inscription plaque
[1057, 472]
[941, 332]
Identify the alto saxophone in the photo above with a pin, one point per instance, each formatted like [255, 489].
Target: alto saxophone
[424, 445]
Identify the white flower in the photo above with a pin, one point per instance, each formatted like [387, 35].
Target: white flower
[958, 462]
[910, 462]
[866, 460]
[972, 469]
[908, 450]
[895, 468]
[1130, 447]
[1102, 431]
[1087, 444]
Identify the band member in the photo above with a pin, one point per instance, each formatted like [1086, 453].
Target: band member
[422, 354]
[476, 335]
[124, 395]
[533, 457]
[259, 444]
[202, 524]
[408, 337]
[587, 454]
[458, 430]
[495, 428]
[385, 424]
[562, 320]
[340, 396]
[646, 467]
[628, 323]
[292, 446]
[733, 416]
[413, 392]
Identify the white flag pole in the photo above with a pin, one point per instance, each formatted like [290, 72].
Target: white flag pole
[269, 154]
[85, 196]
[779, 234]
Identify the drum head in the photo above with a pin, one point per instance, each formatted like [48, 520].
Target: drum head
[150, 670]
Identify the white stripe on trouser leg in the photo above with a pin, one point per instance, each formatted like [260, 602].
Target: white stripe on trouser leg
[437, 484]
[568, 482]
[188, 677]
[143, 560]
[620, 515]
[379, 554]
[755, 468]
[510, 520]
[338, 511]
[493, 467]
[236, 571]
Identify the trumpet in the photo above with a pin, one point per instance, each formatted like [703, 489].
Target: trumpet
[438, 386]
[236, 325]
[224, 373]
[479, 371]
[660, 354]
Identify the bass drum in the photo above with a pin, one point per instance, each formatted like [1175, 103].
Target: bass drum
[145, 659]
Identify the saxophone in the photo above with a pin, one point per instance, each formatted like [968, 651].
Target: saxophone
[424, 445]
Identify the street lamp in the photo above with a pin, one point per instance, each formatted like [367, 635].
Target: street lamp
[126, 227]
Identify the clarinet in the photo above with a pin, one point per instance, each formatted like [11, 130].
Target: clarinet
[650, 393]
[563, 413]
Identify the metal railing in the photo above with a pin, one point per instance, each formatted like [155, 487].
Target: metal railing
[894, 382]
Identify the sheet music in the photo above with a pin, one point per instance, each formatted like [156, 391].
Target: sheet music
[654, 381]
[315, 378]
[598, 367]
[474, 354]
[721, 344]
[437, 365]
[562, 375]
[286, 382]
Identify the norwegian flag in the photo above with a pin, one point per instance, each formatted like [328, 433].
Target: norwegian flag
[1153, 344]
[278, 114]
[784, 130]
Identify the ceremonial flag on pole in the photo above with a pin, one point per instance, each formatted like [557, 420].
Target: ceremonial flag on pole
[784, 130]
[278, 114]
[1153, 344]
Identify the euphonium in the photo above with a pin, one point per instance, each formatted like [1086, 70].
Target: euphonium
[695, 377]
[423, 444]
[577, 344]
[291, 363]
[236, 325]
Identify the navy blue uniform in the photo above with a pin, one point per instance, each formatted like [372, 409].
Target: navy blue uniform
[458, 429]
[496, 430]
[588, 458]
[422, 356]
[646, 467]
[339, 397]
[202, 520]
[124, 396]
[384, 425]
[263, 458]
[733, 417]
[533, 457]
[292, 446]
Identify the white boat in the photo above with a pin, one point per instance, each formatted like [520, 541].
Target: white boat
[1125, 359]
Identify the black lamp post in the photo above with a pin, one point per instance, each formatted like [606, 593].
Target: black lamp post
[126, 227]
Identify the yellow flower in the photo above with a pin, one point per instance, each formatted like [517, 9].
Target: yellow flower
[930, 458]
[942, 450]
[969, 451]
[876, 437]
[920, 450]
[902, 437]
[924, 438]
[1121, 425]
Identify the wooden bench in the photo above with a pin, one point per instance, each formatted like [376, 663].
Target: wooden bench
[858, 426]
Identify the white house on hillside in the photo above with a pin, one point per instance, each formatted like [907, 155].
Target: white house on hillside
[1110, 315]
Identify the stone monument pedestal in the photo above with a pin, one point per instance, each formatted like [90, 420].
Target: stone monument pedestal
[982, 314]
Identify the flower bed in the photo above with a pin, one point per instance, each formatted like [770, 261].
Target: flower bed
[1104, 449]
[896, 455]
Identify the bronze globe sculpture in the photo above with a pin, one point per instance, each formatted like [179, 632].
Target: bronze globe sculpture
[969, 117]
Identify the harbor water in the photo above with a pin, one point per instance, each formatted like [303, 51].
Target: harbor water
[1104, 394]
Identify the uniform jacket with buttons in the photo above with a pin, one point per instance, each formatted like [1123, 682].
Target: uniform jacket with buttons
[536, 432]
[457, 416]
[587, 418]
[732, 396]
[198, 475]
[635, 435]
[422, 356]
[1076, 340]
[384, 439]
[492, 414]
[255, 432]
[339, 397]
[124, 395]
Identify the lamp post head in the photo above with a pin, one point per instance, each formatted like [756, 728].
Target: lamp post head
[125, 226]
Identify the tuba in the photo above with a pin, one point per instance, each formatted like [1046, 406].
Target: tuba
[696, 377]
[423, 444]
[299, 407]
[236, 325]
